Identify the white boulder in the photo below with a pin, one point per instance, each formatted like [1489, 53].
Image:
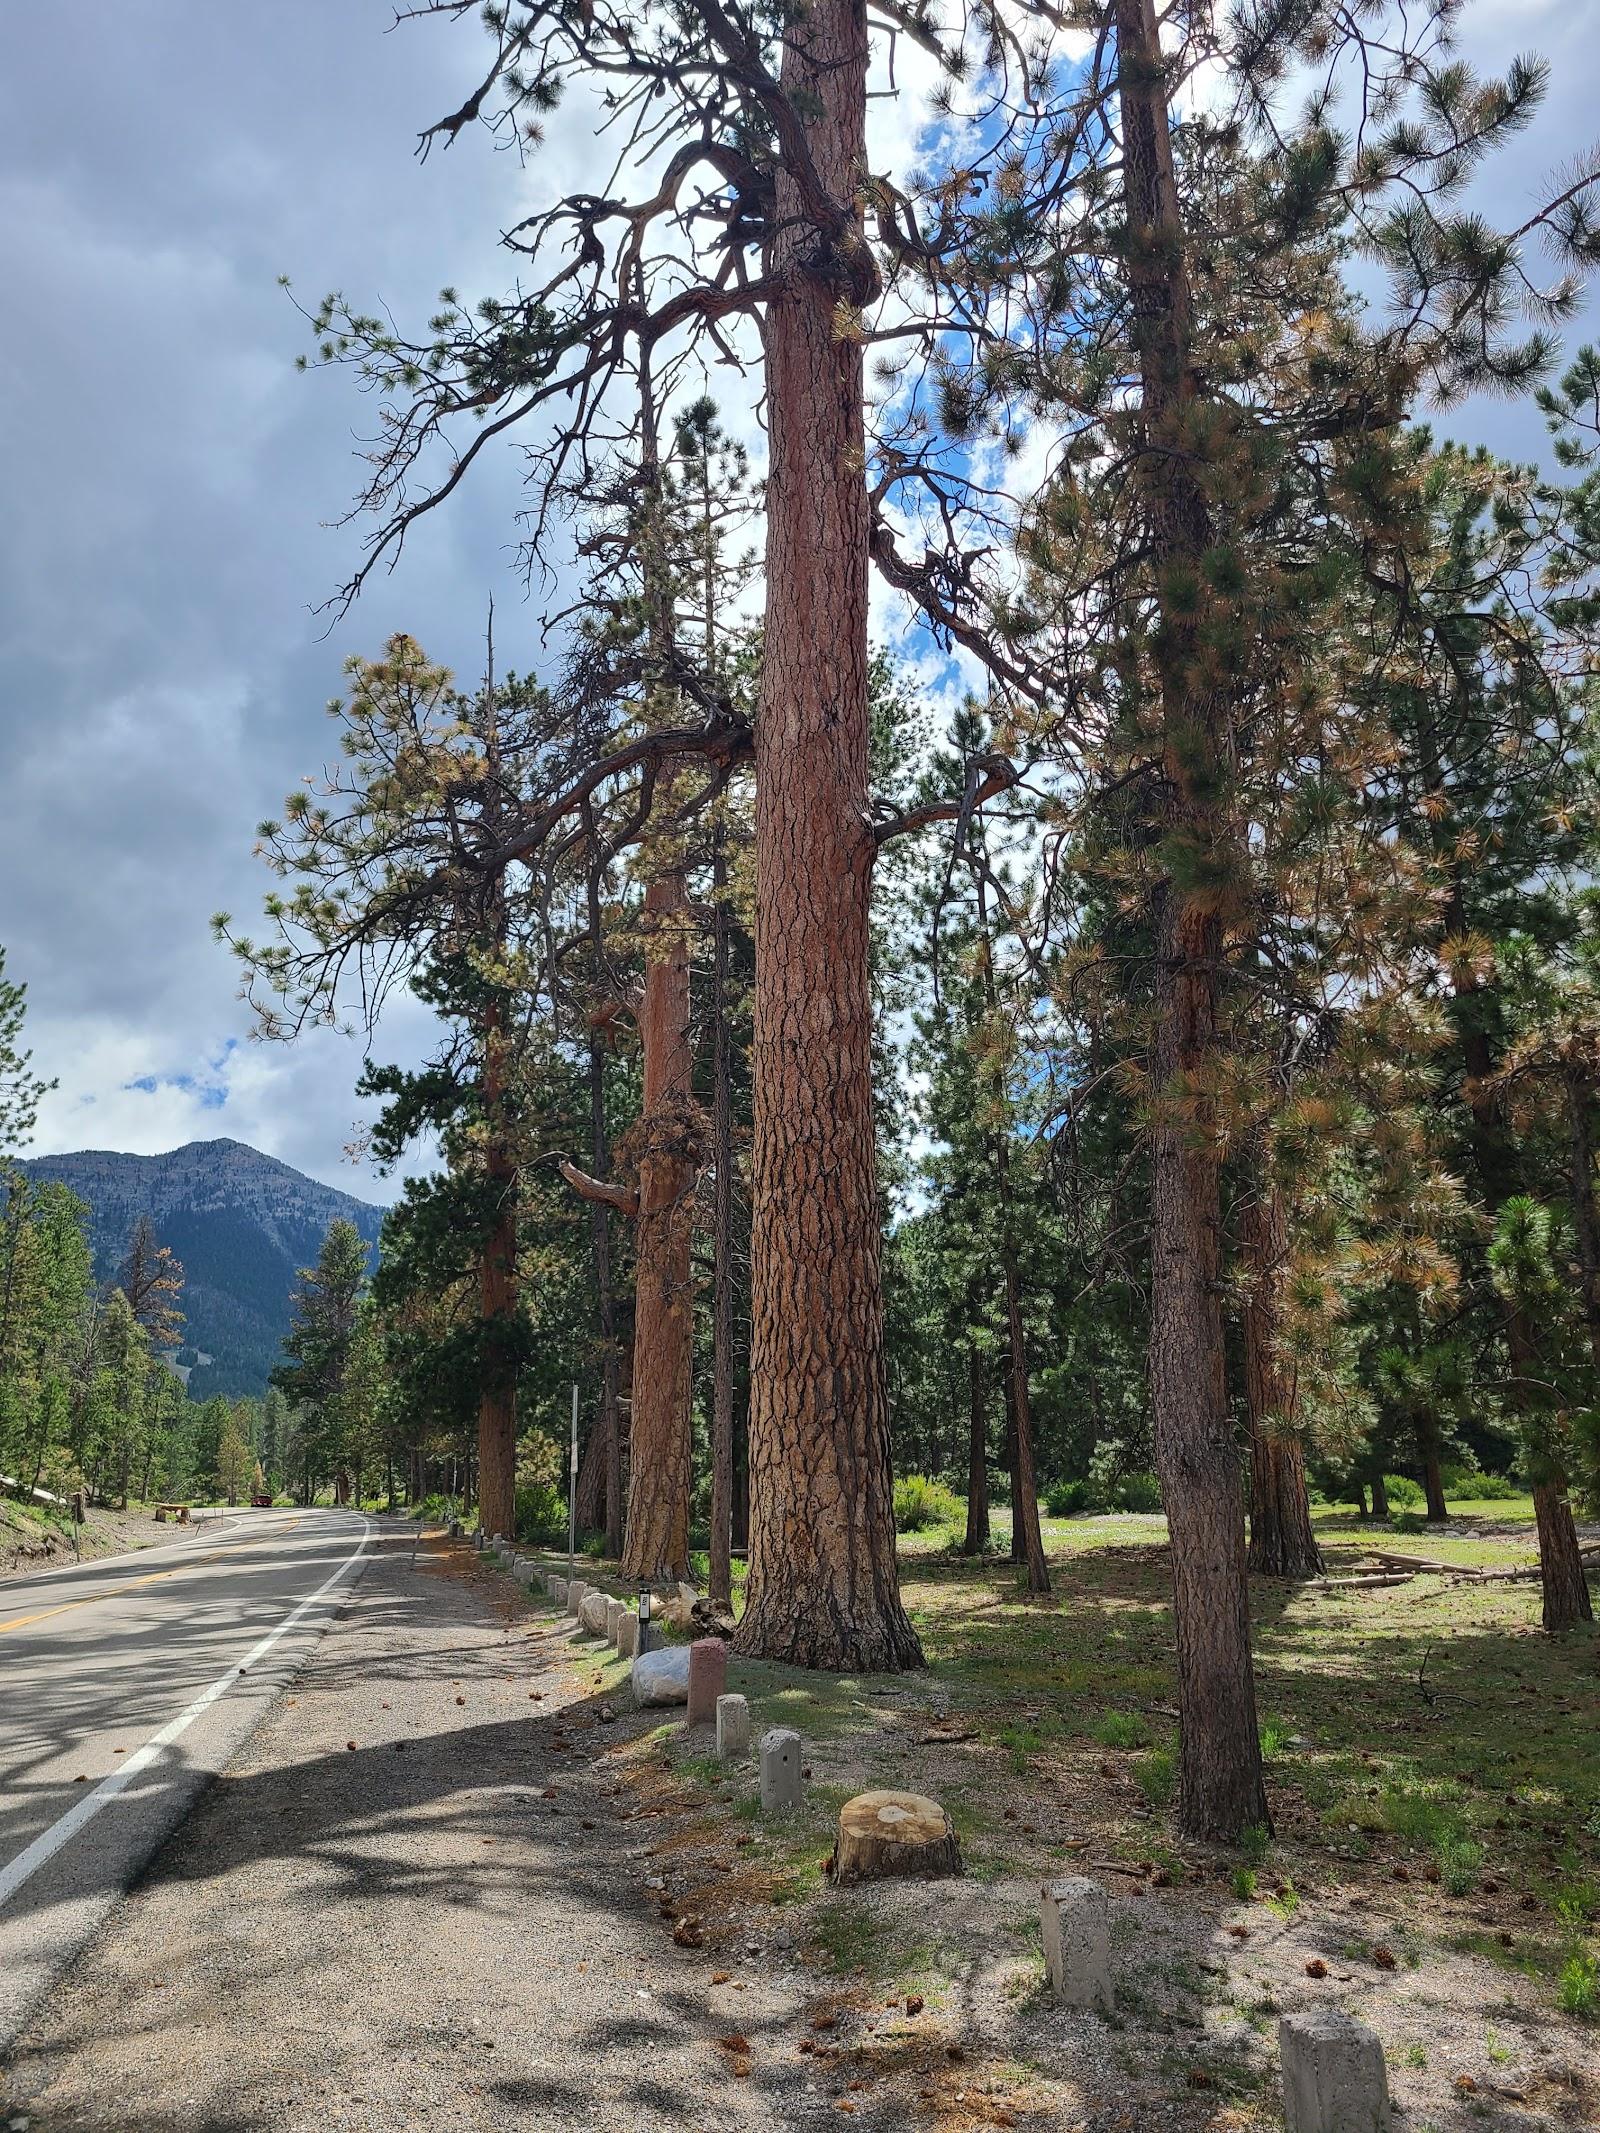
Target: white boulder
[662, 1675]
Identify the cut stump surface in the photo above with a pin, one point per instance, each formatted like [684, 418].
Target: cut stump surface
[888, 1833]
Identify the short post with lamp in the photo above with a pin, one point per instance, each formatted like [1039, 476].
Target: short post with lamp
[645, 1597]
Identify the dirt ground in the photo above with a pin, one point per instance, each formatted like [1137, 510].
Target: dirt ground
[455, 1881]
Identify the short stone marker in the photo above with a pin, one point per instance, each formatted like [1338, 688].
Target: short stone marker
[891, 1833]
[733, 1726]
[1334, 2078]
[626, 1633]
[662, 1676]
[575, 1593]
[558, 1591]
[708, 1678]
[1077, 1941]
[592, 1614]
[780, 1771]
[615, 1610]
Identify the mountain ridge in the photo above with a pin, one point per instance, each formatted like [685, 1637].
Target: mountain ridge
[241, 1222]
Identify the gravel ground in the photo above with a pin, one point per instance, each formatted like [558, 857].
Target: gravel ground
[448, 1885]
[418, 1898]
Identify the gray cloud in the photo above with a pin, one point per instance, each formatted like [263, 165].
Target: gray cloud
[167, 474]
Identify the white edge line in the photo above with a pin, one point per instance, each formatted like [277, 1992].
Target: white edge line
[45, 1846]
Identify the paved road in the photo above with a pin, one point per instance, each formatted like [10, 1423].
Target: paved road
[124, 1687]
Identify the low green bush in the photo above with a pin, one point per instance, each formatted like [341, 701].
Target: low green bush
[920, 1503]
[1138, 1492]
[541, 1514]
[1403, 1491]
[1488, 1488]
[1065, 1499]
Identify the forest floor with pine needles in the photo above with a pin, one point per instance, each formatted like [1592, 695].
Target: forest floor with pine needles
[1434, 1774]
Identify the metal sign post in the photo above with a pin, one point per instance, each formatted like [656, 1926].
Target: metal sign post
[572, 1489]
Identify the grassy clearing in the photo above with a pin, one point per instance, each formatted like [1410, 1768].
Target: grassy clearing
[1423, 1741]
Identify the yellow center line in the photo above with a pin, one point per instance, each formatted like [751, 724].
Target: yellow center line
[93, 1599]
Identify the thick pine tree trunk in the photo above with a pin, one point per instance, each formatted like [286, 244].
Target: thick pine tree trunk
[1221, 1791]
[1019, 1544]
[720, 1580]
[497, 1399]
[604, 1279]
[1025, 1504]
[656, 1541]
[976, 1539]
[1566, 1589]
[823, 1589]
[1283, 1542]
[1027, 1543]
[598, 1503]
[1380, 1498]
[1428, 1446]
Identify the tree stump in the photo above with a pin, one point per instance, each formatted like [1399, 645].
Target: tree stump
[887, 1833]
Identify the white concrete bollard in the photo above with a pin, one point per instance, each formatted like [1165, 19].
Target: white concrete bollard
[558, 1591]
[1334, 2078]
[780, 1771]
[615, 1610]
[733, 1728]
[627, 1633]
[1077, 1942]
[575, 1593]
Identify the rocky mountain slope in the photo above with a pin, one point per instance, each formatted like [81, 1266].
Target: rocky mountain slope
[241, 1222]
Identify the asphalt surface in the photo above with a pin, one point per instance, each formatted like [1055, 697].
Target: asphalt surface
[125, 1686]
[438, 1888]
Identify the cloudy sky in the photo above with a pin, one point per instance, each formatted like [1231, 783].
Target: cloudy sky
[171, 482]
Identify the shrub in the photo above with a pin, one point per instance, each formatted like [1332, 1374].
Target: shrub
[1065, 1499]
[1138, 1492]
[1490, 1488]
[920, 1503]
[541, 1514]
[1403, 1491]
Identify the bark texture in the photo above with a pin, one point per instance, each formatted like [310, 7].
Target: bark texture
[1564, 1587]
[976, 1538]
[823, 1590]
[1283, 1542]
[497, 1400]
[720, 1567]
[1221, 1790]
[656, 1542]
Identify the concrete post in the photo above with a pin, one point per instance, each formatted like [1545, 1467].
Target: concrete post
[627, 1633]
[615, 1610]
[575, 1593]
[558, 1591]
[1334, 2078]
[1077, 1942]
[733, 1724]
[780, 1771]
[708, 1678]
